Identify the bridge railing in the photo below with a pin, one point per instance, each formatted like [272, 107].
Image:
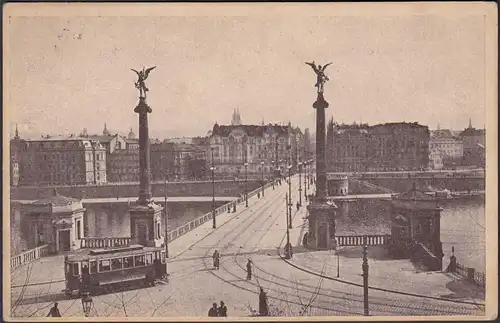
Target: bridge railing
[104, 242]
[28, 256]
[176, 233]
[360, 240]
[471, 275]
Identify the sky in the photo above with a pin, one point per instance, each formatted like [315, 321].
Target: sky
[70, 73]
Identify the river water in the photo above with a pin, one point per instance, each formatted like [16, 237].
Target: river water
[462, 226]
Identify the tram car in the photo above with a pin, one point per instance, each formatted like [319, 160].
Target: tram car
[98, 270]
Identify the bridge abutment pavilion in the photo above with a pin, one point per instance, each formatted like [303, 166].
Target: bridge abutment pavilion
[146, 225]
[321, 226]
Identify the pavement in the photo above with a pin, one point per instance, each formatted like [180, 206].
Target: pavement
[293, 288]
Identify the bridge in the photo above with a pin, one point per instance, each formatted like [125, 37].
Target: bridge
[399, 182]
[223, 188]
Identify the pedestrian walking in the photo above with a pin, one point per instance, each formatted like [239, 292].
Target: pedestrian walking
[213, 311]
[249, 269]
[216, 258]
[54, 311]
[298, 206]
[304, 240]
[222, 309]
[263, 308]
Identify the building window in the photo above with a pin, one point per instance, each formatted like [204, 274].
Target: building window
[78, 233]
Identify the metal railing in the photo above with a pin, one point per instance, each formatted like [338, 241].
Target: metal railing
[360, 240]
[176, 233]
[28, 256]
[471, 275]
[104, 242]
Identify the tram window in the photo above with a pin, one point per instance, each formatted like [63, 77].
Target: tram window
[128, 262]
[74, 269]
[104, 265]
[116, 263]
[149, 259]
[85, 267]
[93, 267]
[139, 261]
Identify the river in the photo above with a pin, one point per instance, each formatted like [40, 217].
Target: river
[462, 226]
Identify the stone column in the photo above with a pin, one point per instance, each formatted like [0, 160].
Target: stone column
[145, 215]
[144, 152]
[320, 210]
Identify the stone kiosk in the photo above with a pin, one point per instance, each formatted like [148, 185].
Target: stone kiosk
[145, 216]
[57, 221]
[415, 228]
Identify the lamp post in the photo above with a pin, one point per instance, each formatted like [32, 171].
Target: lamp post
[214, 225]
[246, 185]
[272, 175]
[290, 196]
[262, 169]
[86, 304]
[300, 183]
[288, 245]
[365, 278]
[309, 175]
[305, 181]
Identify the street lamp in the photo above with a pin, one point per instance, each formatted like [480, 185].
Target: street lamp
[290, 195]
[246, 185]
[305, 180]
[288, 246]
[273, 175]
[262, 169]
[213, 191]
[86, 304]
[300, 183]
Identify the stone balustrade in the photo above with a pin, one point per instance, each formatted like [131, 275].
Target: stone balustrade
[28, 256]
[360, 240]
[104, 242]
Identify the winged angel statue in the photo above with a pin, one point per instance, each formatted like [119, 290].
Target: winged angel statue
[320, 74]
[142, 76]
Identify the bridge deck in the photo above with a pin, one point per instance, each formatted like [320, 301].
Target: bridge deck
[156, 199]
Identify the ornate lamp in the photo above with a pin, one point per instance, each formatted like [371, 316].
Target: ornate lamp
[86, 304]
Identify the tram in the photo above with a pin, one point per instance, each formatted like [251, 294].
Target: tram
[97, 270]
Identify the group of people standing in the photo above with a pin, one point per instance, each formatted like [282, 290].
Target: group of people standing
[218, 311]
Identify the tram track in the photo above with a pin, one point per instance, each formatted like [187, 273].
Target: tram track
[379, 301]
[224, 247]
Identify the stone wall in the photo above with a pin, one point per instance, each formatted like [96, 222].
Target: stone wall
[401, 185]
[222, 188]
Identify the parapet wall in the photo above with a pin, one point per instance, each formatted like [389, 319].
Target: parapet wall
[222, 188]
[401, 185]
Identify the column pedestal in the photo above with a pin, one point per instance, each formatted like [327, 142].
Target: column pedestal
[321, 225]
[145, 225]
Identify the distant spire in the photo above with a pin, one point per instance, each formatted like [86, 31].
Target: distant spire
[105, 131]
[438, 128]
[470, 123]
[17, 133]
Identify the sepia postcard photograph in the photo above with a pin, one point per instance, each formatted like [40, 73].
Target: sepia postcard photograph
[250, 161]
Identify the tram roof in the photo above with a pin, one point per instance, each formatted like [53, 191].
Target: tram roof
[107, 253]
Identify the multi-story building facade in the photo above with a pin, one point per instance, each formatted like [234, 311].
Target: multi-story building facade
[264, 148]
[162, 161]
[474, 143]
[449, 147]
[383, 147]
[124, 165]
[63, 161]
[17, 146]
[190, 162]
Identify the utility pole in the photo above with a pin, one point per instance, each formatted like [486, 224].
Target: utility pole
[262, 169]
[166, 221]
[365, 277]
[288, 246]
[300, 182]
[213, 190]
